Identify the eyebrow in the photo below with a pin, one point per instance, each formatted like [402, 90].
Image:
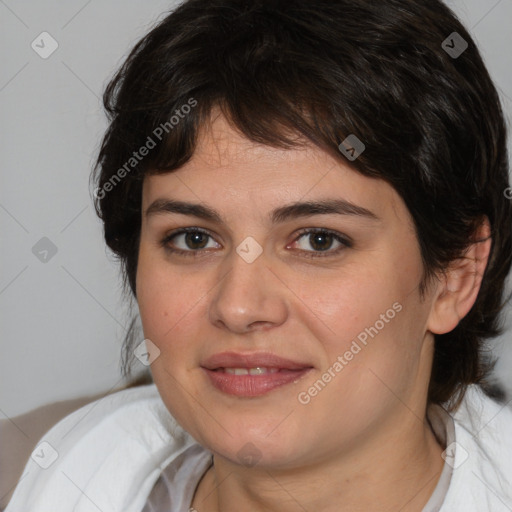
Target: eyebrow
[281, 214]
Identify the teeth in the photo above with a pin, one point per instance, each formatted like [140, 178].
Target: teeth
[250, 371]
[237, 371]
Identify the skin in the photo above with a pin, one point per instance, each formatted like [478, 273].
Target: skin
[363, 442]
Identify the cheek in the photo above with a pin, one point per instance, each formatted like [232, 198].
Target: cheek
[350, 303]
[167, 307]
[371, 316]
[167, 301]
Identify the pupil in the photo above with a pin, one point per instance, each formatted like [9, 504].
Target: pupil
[324, 241]
[195, 238]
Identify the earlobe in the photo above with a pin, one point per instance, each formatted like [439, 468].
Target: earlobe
[459, 284]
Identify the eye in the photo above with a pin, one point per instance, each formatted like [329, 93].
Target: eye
[192, 241]
[322, 240]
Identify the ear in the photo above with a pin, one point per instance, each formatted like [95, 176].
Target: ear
[460, 283]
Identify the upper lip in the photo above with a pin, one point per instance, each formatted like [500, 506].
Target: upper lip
[251, 360]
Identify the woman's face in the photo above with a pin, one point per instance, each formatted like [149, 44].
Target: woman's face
[331, 322]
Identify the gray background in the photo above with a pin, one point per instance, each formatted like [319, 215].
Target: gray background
[63, 320]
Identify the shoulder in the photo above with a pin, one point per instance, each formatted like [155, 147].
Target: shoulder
[20, 434]
[109, 452]
[487, 426]
[482, 464]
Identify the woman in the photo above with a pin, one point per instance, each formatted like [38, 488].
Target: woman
[309, 204]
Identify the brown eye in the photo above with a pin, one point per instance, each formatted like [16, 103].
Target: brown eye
[195, 240]
[188, 241]
[321, 241]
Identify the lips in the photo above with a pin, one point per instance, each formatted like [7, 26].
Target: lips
[251, 375]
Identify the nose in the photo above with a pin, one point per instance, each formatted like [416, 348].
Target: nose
[250, 297]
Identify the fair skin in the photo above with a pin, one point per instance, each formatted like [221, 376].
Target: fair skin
[363, 442]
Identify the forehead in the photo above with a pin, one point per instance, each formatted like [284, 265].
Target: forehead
[229, 170]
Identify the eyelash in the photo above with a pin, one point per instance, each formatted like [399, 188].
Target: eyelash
[346, 243]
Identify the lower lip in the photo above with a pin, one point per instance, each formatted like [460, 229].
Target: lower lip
[253, 385]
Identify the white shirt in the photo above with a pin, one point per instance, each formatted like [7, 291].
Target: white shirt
[126, 453]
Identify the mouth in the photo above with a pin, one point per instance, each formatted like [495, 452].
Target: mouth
[252, 375]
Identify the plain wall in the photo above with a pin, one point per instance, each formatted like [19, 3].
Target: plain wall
[63, 320]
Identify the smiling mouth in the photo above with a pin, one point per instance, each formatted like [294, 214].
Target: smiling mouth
[251, 374]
